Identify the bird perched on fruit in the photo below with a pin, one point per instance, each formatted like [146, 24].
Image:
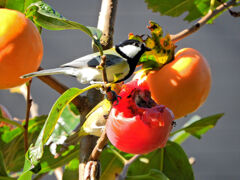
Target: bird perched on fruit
[121, 62]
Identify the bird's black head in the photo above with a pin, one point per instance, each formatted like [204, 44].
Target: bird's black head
[132, 49]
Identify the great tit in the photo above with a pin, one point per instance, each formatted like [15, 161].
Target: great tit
[121, 62]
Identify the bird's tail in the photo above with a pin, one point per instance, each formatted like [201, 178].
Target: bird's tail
[64, 70]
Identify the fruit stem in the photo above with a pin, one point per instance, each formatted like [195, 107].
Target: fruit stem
[162, 159]
[29, 103]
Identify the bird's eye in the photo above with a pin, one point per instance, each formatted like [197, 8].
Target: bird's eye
[136, 44]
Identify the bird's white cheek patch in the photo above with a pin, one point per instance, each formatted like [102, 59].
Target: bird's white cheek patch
[130, 50]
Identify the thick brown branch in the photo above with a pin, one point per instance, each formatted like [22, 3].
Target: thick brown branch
[186, 32]
[106, 21]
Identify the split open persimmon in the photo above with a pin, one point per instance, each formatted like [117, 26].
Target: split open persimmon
[136, 124]
[21, 48]
[182, 85]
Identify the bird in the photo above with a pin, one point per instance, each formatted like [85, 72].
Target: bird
[121, 62]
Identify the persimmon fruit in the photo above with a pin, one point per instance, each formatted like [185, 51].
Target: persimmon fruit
[21, 48]
[136, 124]
[182, 85]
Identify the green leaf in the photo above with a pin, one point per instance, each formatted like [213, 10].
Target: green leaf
[13, 4]
[153, 174]
[196, 126]
[74, 109]
[29, 2]
[36, 151]
[19, 5]
[175, 8]
[176, 164]
[180, 136]
[71, 170]
[69, 120]
[26, 174]
[111, 164]
[3, 171]
[45, 16]
[172, 160]
[49, 162]
[64, 127]
[145, 163]
[11, 143]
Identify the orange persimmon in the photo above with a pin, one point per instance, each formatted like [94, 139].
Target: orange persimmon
[21, 48]
[183, 84]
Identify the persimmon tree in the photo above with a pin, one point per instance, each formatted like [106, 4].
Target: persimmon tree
[72, 140]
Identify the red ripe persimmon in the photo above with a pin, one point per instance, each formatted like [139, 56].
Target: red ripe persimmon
[136, 124]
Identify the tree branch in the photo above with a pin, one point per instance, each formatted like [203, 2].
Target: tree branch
[29, 103]
[186, 32]
[102, 141]
[81, 102]
[106, 22]
[123, 174]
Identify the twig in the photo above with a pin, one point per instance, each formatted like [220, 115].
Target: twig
[102, 141]
[29, 102]
[102, 65]
[23, 91]
[186, 32]
[232, 13]
[123, 174]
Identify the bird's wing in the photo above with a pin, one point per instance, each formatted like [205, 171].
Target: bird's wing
[93, 60]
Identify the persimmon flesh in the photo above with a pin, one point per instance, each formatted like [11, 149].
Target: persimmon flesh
[182, 85]
[21, 48]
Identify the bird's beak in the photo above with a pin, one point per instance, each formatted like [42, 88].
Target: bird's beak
[147, 48]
